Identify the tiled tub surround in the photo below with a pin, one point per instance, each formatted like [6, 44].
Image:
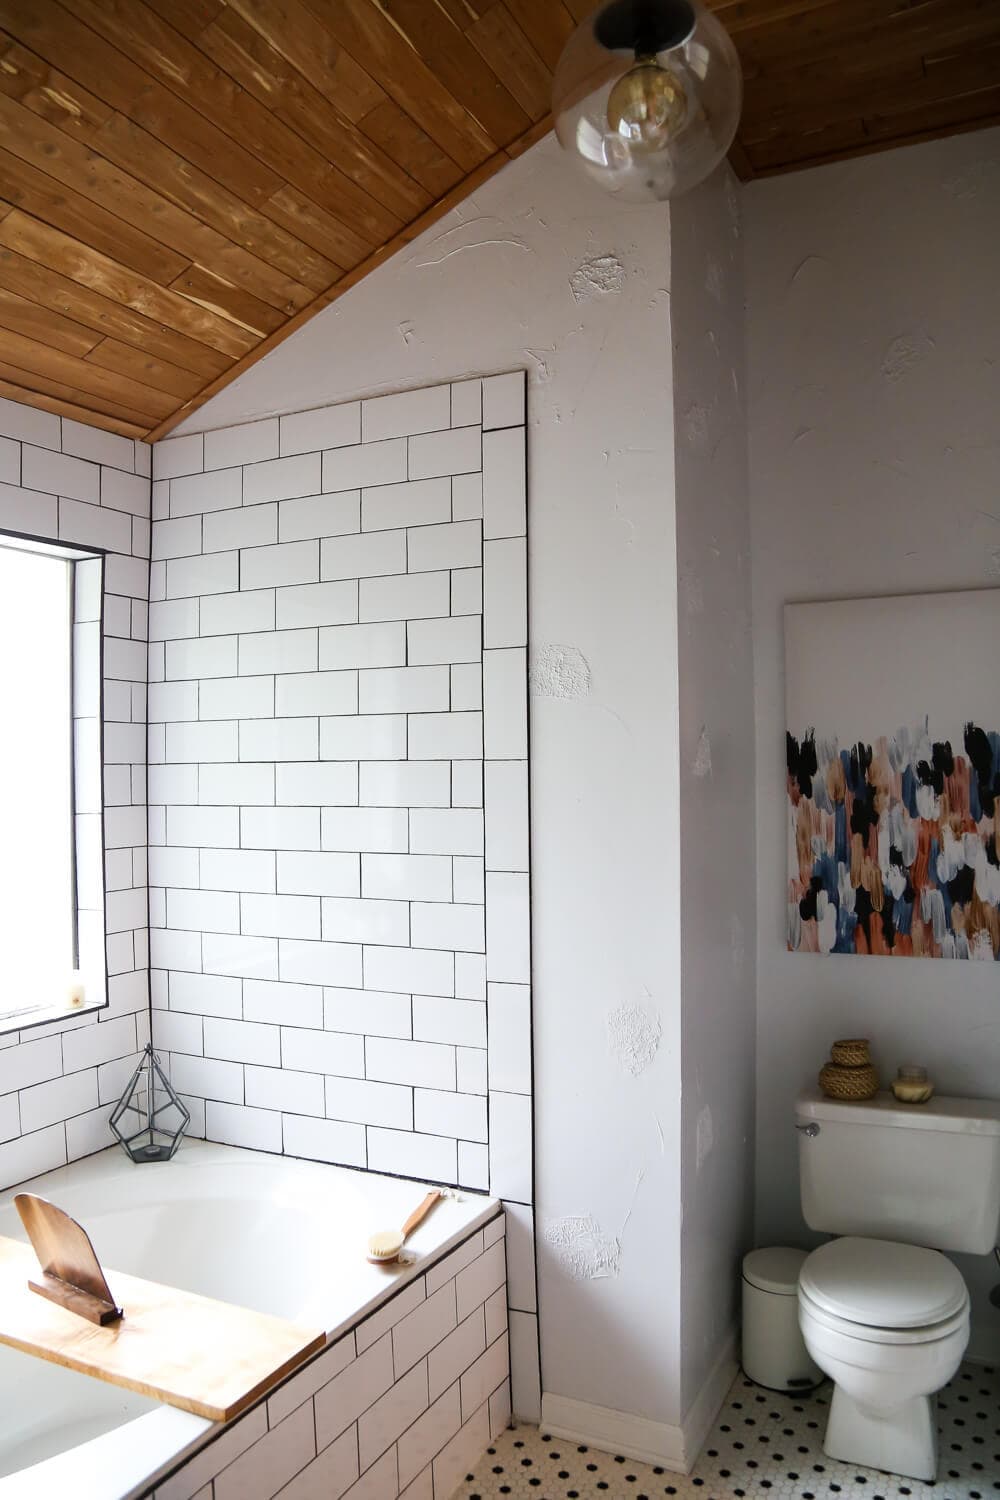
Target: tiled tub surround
[412, 1384]
[339, 791]
[404, 1405]
[61, 481]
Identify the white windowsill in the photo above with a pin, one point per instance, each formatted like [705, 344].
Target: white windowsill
[27, 1020]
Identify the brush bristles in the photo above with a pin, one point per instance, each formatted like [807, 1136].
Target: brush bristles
[384, 1246]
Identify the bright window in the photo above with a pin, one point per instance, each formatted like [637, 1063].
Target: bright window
[37, 838]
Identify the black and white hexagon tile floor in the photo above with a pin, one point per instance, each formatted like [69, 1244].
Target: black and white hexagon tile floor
[763, 1444]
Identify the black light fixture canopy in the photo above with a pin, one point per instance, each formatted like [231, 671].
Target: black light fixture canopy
[644, 27]
[149, 1119]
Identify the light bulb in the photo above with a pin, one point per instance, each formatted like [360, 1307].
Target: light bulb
[648, 106]
[646, 96]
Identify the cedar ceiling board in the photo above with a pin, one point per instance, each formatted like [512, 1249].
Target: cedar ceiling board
[45, 324]
[42, 242]
[446, 49]
[201, 154]
[157, 165]
[366, 32]
[312, 224]
[16, 386]
[125, 360]
[507, 50]
[71, 395]
[49, 288]
[547, 27]
[288, 27]
[393, 130]
[930, 91]
[29, 354]
[183, 183]
[188, 73]
[253, 62]
[55, 34]
[865, 137]
[61, 124]
[270, 257]
[23, 186]
[853, 28]
[35, 140]
[232, 302]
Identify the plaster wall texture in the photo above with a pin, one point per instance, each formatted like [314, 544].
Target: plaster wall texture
[538, 270]
[874, 369]
[718, 896]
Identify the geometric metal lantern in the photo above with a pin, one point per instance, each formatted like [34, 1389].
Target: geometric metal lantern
[151, 1116]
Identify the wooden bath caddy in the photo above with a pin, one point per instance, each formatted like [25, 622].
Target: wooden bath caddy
[207, 1357]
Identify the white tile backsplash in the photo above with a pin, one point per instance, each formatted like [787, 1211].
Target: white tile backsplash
[216, 573]
[419, 502]
[349, 468]
[363, 556]
[246, 444]
[278, 651]
[323, 628]
[503, 401]
[285, 563]
[281, 478]
[252, 526]
[319, 516]
[405, 596]
[322, 427]
[316, 604]
[456, 452]
[459, 544]
[504, 484]
[425, 410]
[60, 474]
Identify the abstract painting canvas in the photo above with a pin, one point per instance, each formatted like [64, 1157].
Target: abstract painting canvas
[893, 762]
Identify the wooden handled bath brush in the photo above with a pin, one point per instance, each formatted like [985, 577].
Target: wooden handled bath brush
[385, 1246]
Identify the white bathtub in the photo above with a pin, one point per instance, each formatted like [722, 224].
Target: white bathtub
[282, 1236]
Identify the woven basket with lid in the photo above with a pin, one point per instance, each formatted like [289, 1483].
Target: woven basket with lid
[851, 1052]
[849, 1074]
[841, 1082]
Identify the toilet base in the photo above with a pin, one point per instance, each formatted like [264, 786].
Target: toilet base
[902, 1440]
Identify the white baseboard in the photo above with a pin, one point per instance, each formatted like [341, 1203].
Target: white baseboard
[614, 1431]
[708, 1403]
[675, 1448]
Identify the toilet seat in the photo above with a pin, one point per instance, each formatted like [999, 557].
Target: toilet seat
[904, 1292]
[867, 1333]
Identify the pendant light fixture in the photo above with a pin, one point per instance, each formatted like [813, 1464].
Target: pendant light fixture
[647, 96]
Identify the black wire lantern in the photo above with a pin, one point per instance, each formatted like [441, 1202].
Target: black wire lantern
[149, 1118]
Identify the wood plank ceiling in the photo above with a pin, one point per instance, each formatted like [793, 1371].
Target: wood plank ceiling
[184, 182]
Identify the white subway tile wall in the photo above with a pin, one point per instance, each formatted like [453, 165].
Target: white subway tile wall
[402, 1405]
[327, 876]
[58, 1081]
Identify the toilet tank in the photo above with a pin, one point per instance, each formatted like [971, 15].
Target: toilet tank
[925, 1174]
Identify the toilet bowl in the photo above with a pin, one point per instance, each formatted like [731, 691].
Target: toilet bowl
[888, 1323]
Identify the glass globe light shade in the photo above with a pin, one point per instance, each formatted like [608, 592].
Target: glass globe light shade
[647, 96]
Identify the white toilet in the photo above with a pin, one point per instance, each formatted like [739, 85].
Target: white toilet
[886, 1318]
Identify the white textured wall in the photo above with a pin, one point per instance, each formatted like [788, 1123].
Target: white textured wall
[505, 281]
[718, 899]
[874, 362]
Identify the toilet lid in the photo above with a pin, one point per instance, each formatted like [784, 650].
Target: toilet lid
[881, 1284]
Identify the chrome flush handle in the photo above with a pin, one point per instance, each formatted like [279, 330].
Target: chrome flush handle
[812, 1129]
